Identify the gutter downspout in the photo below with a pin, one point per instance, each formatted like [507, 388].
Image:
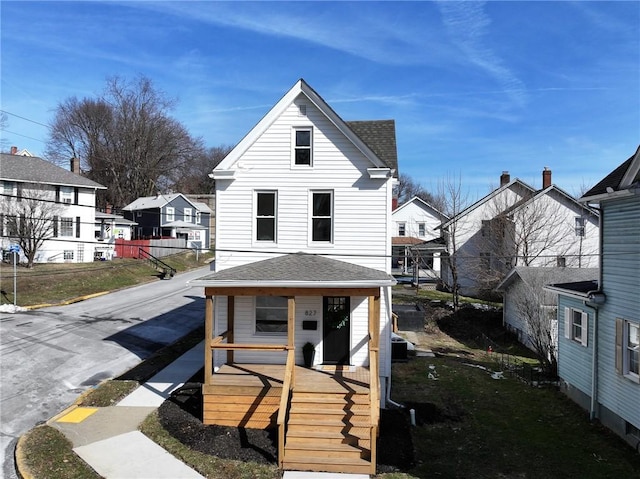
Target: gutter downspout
[593, 413]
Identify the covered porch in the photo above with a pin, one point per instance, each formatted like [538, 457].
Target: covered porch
[327, 411]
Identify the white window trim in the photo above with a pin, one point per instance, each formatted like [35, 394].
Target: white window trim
[198, 217]
[311, 217]
[187, 215]
[66, 194]
[622, 348]
[402, 229]
[293, 146]
[267, 333]
[568, 326]
[170, 213]
[422, 229]
[256, 241]
[66, 219]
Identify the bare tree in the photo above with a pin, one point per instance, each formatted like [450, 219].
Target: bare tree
[30, 219]
[4, 122]
[535, 230]
[125, 140]
[195, 177]
[453, 200]
[406, 188]
[537, 311]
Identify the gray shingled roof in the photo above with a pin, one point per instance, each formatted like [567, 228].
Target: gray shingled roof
[380, 136]
[298, 269]
[32, 169]
[612, 180]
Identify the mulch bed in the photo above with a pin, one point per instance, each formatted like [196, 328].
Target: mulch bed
[181, 416]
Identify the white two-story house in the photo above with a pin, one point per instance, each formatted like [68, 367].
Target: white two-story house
[303, 211]
[54, 209]
[518, 225]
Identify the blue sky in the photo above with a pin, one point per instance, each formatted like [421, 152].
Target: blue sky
[475, 88]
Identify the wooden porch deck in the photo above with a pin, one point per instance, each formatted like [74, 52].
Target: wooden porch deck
[324, 379]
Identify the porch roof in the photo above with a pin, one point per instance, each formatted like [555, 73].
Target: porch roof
[299, 270]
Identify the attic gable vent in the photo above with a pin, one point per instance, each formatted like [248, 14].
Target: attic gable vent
[302, 110]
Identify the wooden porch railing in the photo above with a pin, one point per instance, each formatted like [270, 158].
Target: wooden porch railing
[374, 398]
[283, 410]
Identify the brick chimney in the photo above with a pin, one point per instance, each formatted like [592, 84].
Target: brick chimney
[14, 150]
[394, 203]
[505, 178]
[75, 166]
[546, 178]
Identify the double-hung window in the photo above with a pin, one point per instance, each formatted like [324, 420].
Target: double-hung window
[628, 349]
[576, 325]
[402, 229]
[271, 314]
[322, 216]
[421, 229]
[303, 146]
[266, 202]
[170, 213]
[66, 194]
[66, 226]
[187, 215]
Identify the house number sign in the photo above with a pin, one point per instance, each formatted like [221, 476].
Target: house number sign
[310, 312]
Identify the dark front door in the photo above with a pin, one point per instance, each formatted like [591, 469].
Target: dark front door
[336, 329]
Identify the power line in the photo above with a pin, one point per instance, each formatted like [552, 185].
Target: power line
[25, 119]
[24, 136]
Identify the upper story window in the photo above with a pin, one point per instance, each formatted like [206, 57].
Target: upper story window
[422, 230]
[628, 349]
[266, 202]
[402, 229]
[322, 216]
[8, 188]
[580, 224]
[198, 217]
[170, 213]
[187, 215]
[271, 314]
[485, 230]
[66, 194]
[303, 155]
[576, 325]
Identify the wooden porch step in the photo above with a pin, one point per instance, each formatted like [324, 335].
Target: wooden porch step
[327, 437]
[330, 409]
[329, 398]
[342, 420]
[328, 450]
[298, 461]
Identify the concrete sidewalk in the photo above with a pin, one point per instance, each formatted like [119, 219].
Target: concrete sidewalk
[109, 441]
[108, 438]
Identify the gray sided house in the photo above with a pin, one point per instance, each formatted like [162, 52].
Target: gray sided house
[599, 329]
[523, 289]
[170, 216]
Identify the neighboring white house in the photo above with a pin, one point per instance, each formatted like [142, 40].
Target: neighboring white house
[63, 200]
[516, 225]
[415, 226]
[599, 327]
[109, 228]
[303, 237]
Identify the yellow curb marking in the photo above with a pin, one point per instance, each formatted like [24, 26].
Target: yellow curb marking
[79, 414]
